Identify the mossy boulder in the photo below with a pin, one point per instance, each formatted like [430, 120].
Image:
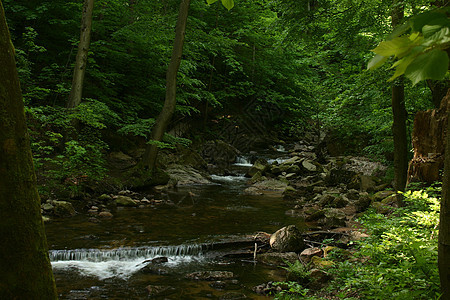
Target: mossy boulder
[125, 201]
[63, 209]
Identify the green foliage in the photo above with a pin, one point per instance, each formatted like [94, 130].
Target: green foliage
[419, 47]
[290, 290]
[399, 259]
[227, 3]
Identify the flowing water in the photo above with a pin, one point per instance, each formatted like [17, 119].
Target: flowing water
[109, 259]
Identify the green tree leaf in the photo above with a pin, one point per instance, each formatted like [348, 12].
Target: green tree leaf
[227, 3]
[431, 65]
[396, 46]
[376, 61]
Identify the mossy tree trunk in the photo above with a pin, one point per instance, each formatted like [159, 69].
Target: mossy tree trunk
[400, 115]
[25, 270]
[163, 120]
[81, 60]
[444, 224]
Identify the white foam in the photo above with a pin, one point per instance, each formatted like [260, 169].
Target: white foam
[228, 178]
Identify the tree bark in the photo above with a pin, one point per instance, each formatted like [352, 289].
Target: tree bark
[444, 224]
[400, 116]
[26, 272]
[149, 158]
[82, 54]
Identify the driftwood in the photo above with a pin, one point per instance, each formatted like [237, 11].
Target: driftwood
[428, 139]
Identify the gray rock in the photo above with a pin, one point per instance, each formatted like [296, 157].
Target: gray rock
[63, 209]
[47, 207]
[186, 175]
[125, 201]
[104, 198]
[287, 239]
[309, 165]
[260, 165]
[277, 258]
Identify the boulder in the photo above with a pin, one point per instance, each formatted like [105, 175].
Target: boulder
[339, 202]
[125, 201]
[367, 184]
[104, 198]
[260, 165]
[186, 175]
[309, 165]
[334, 218]
[267, 187]
[121, 160]
[363, 202]
[277, 259]
[105, 214]
[287, 239]
[63, 209]
[308, 253]
[382, 195]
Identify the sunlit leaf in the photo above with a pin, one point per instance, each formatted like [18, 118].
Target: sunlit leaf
[400, 66]
[211, 1]
[376, 61]
[397, 47]
[228, 4]
[440, 37]
[431, 65]
[429, 30]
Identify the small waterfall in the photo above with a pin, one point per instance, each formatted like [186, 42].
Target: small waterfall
[243, 161]
[98, 255]
[122, 262]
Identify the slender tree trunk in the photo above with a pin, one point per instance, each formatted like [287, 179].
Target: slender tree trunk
[26, 272]
[163, 120]
[400, 116]
[444, 224]
[82, 54]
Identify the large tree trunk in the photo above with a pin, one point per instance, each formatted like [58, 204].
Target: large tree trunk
[428, 139]
[149, 158]
[82, 54]
[444, 224]
[25, 270]
[400, 115]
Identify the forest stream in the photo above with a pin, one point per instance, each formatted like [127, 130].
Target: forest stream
[110, 259]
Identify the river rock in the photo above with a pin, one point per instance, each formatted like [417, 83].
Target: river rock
[307, 254]
[105, 214]
[63, 209]
[382, 195]
[125, 201]
[210, 275]
[334, 218]
[159, 290]
[260, 165]
[287, 239]
[309, 165]
[186, 175]
[105, 198]
[267, 187]
[277, 259]
[363, 202]
[121, 160]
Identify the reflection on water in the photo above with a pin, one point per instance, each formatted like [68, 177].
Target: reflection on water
[104, 259]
